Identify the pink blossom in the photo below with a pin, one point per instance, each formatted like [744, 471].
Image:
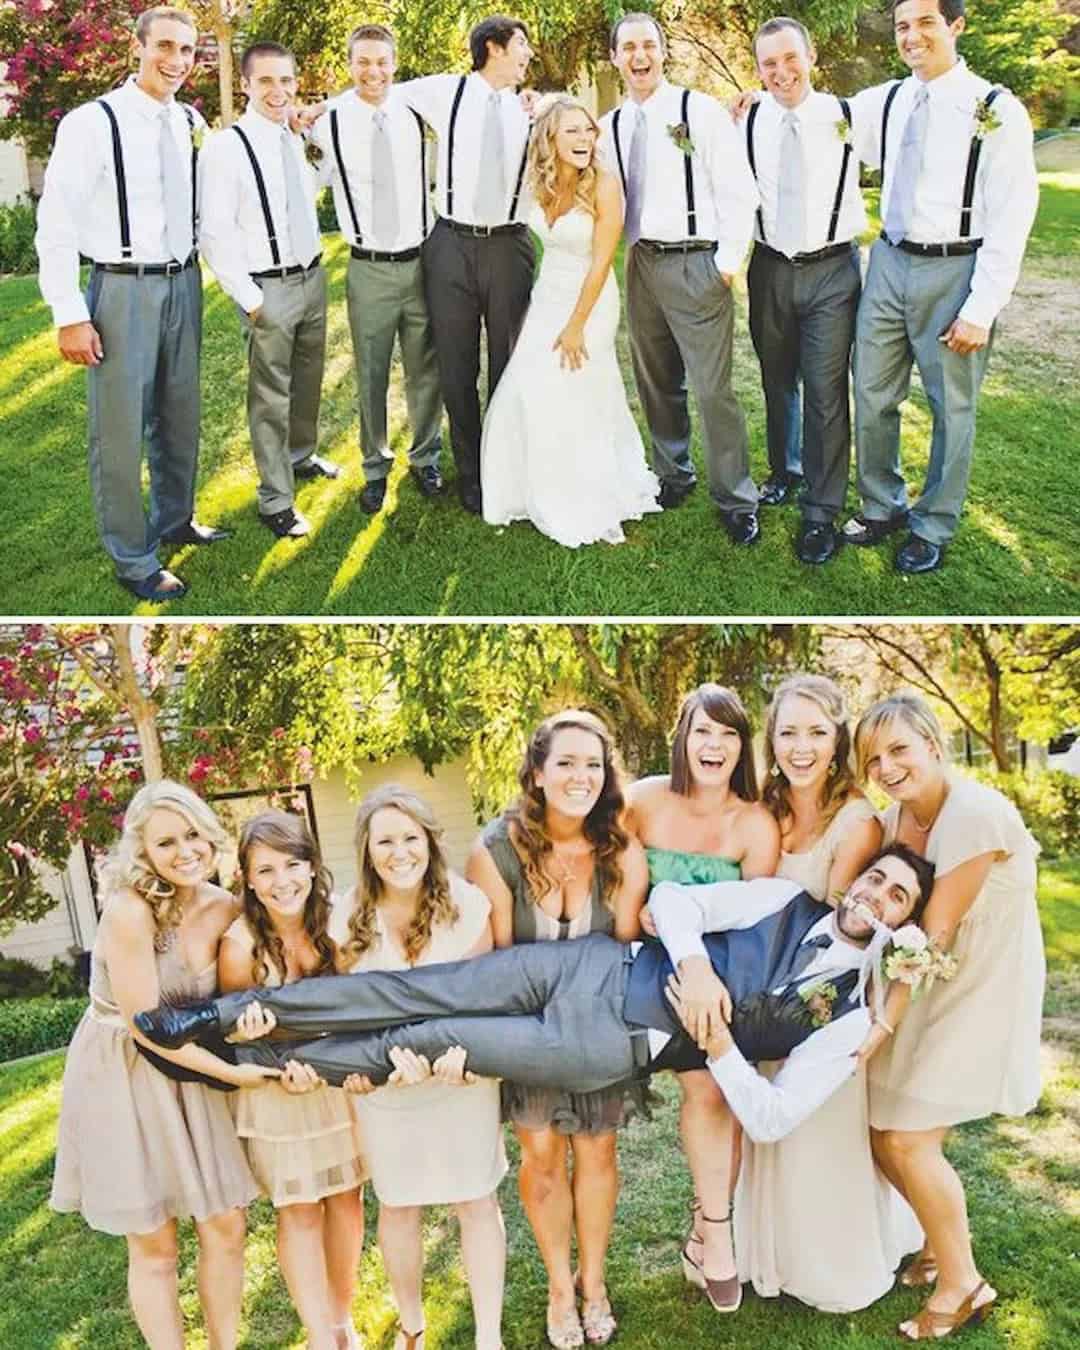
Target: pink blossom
[32, 734]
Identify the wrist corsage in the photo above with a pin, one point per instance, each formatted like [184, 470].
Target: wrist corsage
[915, 961]
[680, 134]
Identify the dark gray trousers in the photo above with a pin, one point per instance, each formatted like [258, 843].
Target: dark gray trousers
[145, 390]
[546, 1014]
[802, 319]
[468, 280]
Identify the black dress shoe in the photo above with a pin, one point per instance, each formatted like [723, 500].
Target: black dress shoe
[373, 495]
[158, 588]
[317, 467]
[173, 1025]
[287, 524]
[742, 527]
[919, 555]
[472, 500]
[859, 530]
[673, 493]
[817, 541]
[428, 479]
[777, 490]
[194, 533]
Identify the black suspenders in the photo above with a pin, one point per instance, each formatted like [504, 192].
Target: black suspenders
[838, 200]
[264, 200]
[459, 92]
[688, 167]
[423, 173]
[121, 178]
[336, 141]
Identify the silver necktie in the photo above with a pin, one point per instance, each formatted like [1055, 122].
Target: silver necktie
[790, 189]
[302, 237]
[904, 177]
[635, 176]
[489, 203]
[384, 202]
[175, 191]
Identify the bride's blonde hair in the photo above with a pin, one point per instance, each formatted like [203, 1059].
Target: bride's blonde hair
[543, 162]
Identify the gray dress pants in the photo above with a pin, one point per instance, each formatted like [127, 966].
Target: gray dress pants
[145, 390]
[548, 1014]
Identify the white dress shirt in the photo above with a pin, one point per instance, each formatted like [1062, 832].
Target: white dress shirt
[433, 96]
[1006, 188]
[79, 209]
[821, 1063]
[725, 194]
[356, 121]
[232, 228]
[819, 118]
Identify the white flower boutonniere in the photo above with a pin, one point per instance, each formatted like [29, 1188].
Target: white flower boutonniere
[680, 134]
[986, 119]
[818, 1000]
[313, 153]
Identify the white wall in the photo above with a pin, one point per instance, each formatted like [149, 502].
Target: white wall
[70, 926]
[14, 178]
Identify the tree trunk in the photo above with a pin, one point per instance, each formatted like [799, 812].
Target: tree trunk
[223, 31]
[992, 668]
[142, 710]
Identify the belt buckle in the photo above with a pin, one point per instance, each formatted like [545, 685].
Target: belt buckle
[481, 231]
[172, 268]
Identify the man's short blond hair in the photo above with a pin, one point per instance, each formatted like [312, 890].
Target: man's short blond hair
[145, 21]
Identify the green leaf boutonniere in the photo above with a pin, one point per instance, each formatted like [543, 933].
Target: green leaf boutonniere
[313, 153]
[843, 131]
[198, 135]
[986, 119]
[680, 134]
[818, 1000]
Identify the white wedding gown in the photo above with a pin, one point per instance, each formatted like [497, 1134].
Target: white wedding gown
[560, 447]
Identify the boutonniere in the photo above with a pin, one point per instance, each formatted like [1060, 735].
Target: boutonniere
[986, 119]
[680, 134]
[198, 135]
[818, 1000]
[843, 131]
[313, 153]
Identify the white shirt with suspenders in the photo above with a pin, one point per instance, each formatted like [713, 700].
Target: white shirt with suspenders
[103, 196]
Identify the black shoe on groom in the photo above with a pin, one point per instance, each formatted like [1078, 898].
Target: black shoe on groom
[316, 467]
[173, 1025]
[428, 479]
[818, 541]
[779, 489]
[742, 527]
[191, 532]
[919, 555]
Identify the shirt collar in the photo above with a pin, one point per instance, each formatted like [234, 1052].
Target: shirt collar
[149, 107]
[843, 955]
[263, 126]
[944, 85]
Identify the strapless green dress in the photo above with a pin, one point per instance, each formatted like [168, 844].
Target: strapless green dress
[690, 869]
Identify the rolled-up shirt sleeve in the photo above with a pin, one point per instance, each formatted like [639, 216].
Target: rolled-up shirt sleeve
[74, 165]
[682, 914]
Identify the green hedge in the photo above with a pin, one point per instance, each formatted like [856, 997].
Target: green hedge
[29, 1025]
[1049, 802]
[17, 224]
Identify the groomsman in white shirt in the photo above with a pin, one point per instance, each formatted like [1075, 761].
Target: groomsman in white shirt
[374, 148]
[958, 200]
[120, 189]
[690, 200]
[804, 276]
[479, 258]
[260, 234]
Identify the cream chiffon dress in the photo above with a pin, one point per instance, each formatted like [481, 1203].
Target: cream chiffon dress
[814, 1218]
[970, 1048]
[430, 1143]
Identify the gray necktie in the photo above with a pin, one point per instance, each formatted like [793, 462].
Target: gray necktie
[490, 201]
[384, 202]
[905, 171]
[301, 235]
[635, 176]
[805, 954]
[175, 191]
[790, 189]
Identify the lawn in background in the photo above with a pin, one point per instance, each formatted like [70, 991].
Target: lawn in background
[63, 1286]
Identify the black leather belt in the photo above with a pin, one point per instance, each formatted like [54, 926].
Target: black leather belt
[293, 271]
[168, 269]
[958, 249]
[682, 246]
[373, 255]
[801, 259]
[481, 231]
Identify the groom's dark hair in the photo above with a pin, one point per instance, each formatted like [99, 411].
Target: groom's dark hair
[636, 17]
[497, 28]
[922, 867]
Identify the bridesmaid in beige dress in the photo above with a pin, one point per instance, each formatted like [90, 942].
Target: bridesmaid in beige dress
[967, 1048]
[303, 1147]
[140, 1146]
[829, 832]
[432, 1135]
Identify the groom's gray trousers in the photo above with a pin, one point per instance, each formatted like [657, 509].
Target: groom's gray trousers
[547, 1014]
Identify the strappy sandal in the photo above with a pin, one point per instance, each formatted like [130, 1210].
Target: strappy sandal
[923, 1270]
[725, 1295]
[567, 1334]
[408, 1340]
[598, 1321]
[691, 1269]
[930, 1323]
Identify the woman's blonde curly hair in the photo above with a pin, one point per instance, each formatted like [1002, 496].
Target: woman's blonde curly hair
[603, 826]
[840, 784]
[435, 905]
[542, 167]
[128, 863]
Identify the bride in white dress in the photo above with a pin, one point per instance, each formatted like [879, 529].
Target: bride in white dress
[560, 447]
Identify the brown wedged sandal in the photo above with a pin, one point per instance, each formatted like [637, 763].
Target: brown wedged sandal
[929, 1323]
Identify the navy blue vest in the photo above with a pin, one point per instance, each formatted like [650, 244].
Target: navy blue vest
[752, 962]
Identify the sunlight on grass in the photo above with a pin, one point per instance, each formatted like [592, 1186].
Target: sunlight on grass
[995, 528]
[359, 552]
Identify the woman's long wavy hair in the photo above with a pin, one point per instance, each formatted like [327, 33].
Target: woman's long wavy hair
[722, 705]
[542, 166]
[288, 834]
[906, 707]
[128, 863]
[840, 785]
[602, 827]
[435, 904]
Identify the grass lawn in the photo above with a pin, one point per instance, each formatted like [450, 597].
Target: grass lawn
[1015, 553]
[62, 1285]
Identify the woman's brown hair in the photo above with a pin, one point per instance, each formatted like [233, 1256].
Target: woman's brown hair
[722, 705]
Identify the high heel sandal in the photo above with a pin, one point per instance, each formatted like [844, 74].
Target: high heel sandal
[567, 1334]
[725, 1295]
[597, 1319]
[929, 1322]
[409, 1340]
[691, 1269]
[921, 1271]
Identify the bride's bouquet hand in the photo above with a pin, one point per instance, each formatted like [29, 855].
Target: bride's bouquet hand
[570, 344]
